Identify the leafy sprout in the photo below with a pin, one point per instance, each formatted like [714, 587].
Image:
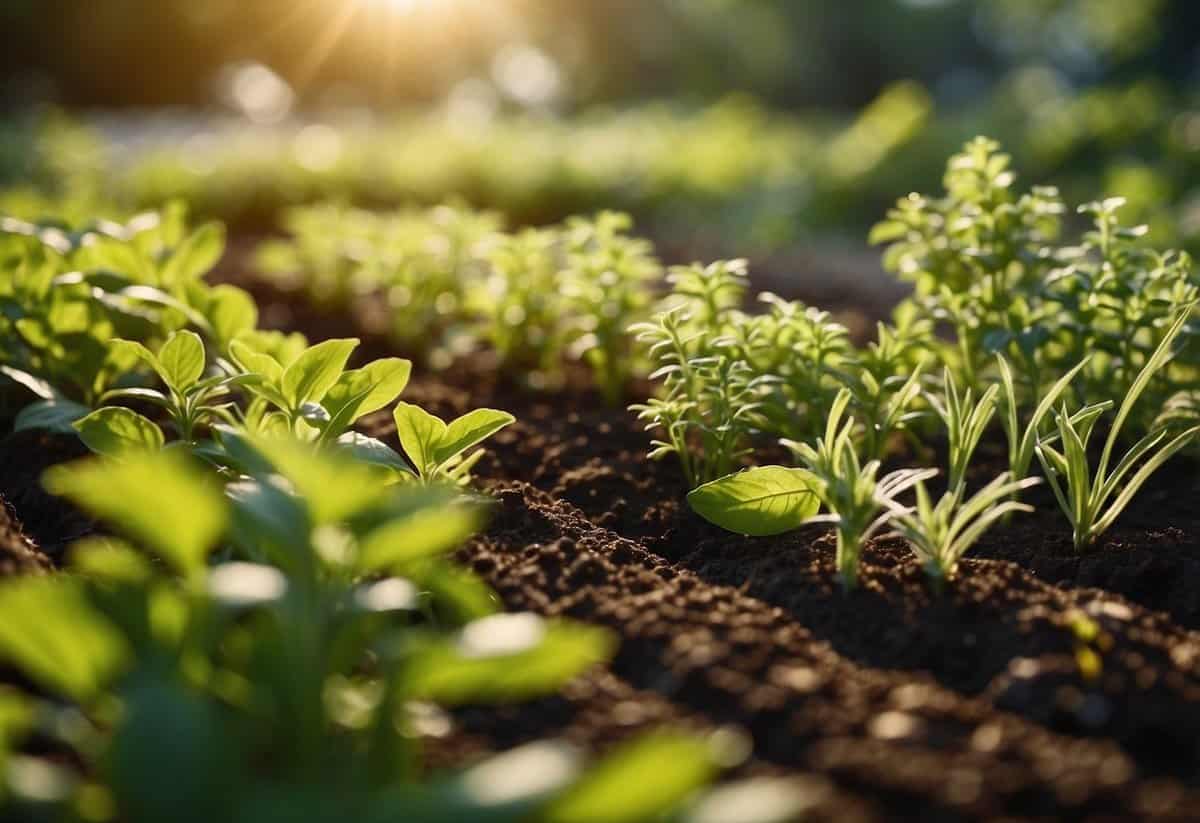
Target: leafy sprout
[1092, 500]
[941, 533]
[857, 498]
[966, 421]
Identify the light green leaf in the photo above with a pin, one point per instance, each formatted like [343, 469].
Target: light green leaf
[182, 360]
[115, 431]
[420, 434]
[643, 780]
[256, 362]
[886, 232]
[359, 392]
[333, 486]
[507, 657]
[53, 635]
[759, 502]
[428, 532]
[231, 312]
[470, 430]
[370, 450]
[196, 256]
[316, 371]
[161, 499]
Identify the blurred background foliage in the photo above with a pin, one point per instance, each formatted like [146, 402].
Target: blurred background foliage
[771, 120]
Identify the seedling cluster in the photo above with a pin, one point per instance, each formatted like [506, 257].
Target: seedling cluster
[103, 324]
[455, 283]
[1037, 327]
[275, 620]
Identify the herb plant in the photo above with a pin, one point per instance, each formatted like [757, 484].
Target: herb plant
[709, 407]
[992, 264]
[940, 534]
[607, 284]
[190, 401]
[1093, 501]
[859, 501]
[1023, 442]
[966, 421]
[439, 450]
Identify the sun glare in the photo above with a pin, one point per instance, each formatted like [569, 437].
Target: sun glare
[413, 6]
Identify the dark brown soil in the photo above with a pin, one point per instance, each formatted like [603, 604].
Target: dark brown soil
[18, 555]
[49, 522]
[1042, 684]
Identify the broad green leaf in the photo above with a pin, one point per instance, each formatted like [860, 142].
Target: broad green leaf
[470, 430]
[53, 635]
[370, 450]
[265, 516]
[117, 256]
[256, 362]
[161, 499]
[507, 657]
[333, 486]
[230, 312]
[131, 351]
[643, 780]
[196, 256]
[420, 434]
[183, 740]
[52, 415]
[359, 392]
[316, 371]
[182, 360]
[759, 502]
[114, 431]
[427, 533]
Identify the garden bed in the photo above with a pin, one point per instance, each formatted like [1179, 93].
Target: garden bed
[1042, 683]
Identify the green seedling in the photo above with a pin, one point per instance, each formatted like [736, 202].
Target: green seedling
[314, 396]
[941, 534]
[1022, 442]
[1093, 501]
[859, 502]
[190, 400]
[710, 404]
[965, 421]
[439, 450]
[314, 676]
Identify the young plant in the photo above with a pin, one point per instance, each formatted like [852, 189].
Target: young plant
[1022, 442]
[709, 405]
[314, 396]
[965, 422]
[520, 307]
[189, 400]
[1093, 501]
[940, 534]
[438, 450]
[607, 283]
[859, 502]
[311, 680]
